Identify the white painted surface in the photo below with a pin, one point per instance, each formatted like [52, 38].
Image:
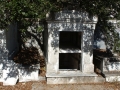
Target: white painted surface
[74, 21]
[28, 75]
[109, 66]
[10, 81]
[74, 80]
[114, 66]
[113, 78]
[10, 73]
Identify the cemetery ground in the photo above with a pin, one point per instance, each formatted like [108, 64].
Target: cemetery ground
[41, 85]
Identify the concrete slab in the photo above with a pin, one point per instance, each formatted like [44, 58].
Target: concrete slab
[113, 79]
[10, 72]
[28, 75]
[70, 74]
[75, 80]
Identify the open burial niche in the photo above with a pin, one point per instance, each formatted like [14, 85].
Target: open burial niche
[69, 41]
[69, 61]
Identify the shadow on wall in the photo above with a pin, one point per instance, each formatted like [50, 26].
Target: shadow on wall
[99, 39]
[11, 72]
[86, 31]
[32, 37]
[76, 21]
[11, 41]
[31, 43]
[88, 41]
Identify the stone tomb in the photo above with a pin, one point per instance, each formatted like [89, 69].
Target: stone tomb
[69, 47]
[11, 72]
[108, 61]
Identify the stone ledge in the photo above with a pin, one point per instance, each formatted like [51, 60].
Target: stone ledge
[113, 78]
[115, 73]
[75, 80]
[67, 74]
[41, 78]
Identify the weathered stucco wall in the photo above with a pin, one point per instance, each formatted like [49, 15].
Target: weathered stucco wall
[8, 48]
[74, 21]
[10, 71]
[99, 38]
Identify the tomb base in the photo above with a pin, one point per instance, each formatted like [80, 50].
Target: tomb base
[75, 80]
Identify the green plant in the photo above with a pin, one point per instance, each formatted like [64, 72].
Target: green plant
[26, 12]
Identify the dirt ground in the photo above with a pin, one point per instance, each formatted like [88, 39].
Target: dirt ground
[41, 85]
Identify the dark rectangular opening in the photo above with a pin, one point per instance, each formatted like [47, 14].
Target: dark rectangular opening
[70, 39]
[69, 61]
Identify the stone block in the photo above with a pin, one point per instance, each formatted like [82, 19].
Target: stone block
[28, 72]
[88, 68]
[113, 79]
[28, 75]
[10, 76]
[73, 80]
[111, 64]
[10, 72]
